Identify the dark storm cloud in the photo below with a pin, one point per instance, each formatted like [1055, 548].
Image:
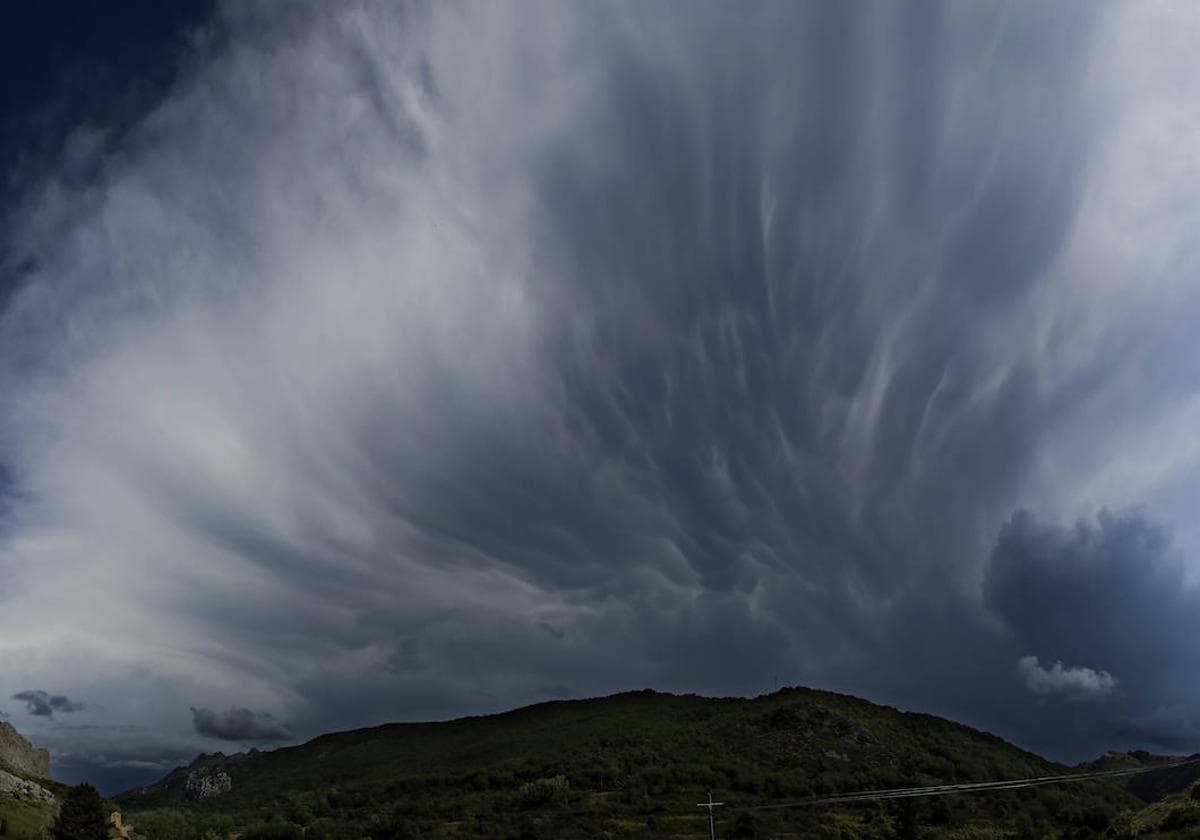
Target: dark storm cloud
[114, 758]
[238, 724]
[1110, 593]
[44, 704]
[411, 364]
[1110, 598]
[762, 401]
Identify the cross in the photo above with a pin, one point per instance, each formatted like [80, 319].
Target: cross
[712, 830]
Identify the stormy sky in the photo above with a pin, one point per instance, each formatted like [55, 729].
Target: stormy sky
[383, 361]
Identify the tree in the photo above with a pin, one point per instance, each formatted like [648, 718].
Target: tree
[83, 816]
[906, 821]
[272, 831]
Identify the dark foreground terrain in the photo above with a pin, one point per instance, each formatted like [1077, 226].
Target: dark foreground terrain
[635, 765]
[631, 765]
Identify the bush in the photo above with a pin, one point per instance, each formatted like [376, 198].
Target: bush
[272, 831]
[83, 816]
[544, 791]
[1182, 818]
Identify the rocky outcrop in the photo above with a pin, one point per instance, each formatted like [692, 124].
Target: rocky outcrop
[11, 785]
[20, 755]
[202, 785]
[810, 722]
[188, 782]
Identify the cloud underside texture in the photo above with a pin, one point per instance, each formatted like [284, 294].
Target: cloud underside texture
[411, 362]
[43, 704]
[239, 725]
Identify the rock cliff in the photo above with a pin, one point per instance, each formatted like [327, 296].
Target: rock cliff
[205, 784]
[20, 755]
[11, 785]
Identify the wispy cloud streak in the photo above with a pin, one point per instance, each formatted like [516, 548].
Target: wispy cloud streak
[406, 361]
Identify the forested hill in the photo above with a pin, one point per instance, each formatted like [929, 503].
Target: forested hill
[633, 764]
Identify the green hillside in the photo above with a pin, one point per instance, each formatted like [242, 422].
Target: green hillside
[1174, 818]
[630, 765]
[24, 819]
[24, 814]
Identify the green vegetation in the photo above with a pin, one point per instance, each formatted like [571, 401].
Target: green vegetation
[633, 765]
[24, 819]
[83, 816]
[1177, 816]
[24, 816]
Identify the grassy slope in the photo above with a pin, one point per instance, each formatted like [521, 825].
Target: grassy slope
[635, 764]
[1177, 816]
[27, 818]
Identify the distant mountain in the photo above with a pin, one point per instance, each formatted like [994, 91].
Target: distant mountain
[1134, 760]
[1159, 783]
[200, 779]
[1160, 779]
[630, 765]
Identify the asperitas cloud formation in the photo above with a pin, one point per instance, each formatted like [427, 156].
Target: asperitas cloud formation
[403, 361]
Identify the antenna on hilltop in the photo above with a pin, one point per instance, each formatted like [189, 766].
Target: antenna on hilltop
[712, 829]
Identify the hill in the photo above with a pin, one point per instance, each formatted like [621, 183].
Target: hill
[28, 800]
[1158, 783]
[1161, 777]
[1173, 818]
[629, 765]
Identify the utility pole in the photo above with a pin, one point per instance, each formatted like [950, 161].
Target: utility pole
[712, 826]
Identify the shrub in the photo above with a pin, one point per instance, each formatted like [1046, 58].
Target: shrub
[1181, 818]
[272, 831]
[83, 816]
[543, 791]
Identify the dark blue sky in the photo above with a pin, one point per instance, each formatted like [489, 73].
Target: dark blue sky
[367, 362]
[67, 64]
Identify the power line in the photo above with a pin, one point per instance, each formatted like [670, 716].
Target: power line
[971, 787]
[862, 796]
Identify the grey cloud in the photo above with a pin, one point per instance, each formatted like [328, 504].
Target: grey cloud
[1075, 683]
[1171, 728]
[1108, 590]
[44, 704]
[451, 358]
[116, 757]
[238, 724]
[405, 657]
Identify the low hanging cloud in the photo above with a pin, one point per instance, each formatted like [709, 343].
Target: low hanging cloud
[1074, 683]
[43, 704]
[238, 724]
